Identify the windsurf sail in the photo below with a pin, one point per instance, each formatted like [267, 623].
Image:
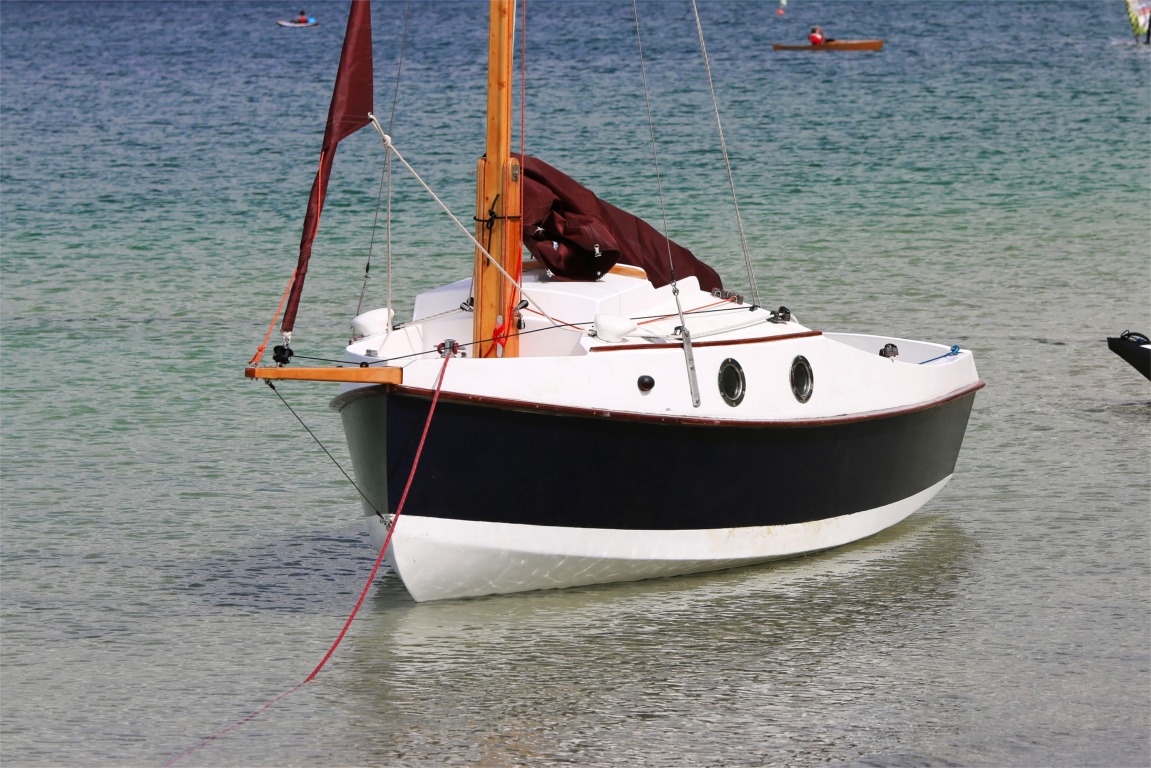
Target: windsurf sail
[348, 113]
[1140, 13]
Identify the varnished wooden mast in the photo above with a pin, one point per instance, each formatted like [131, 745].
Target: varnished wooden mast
[498, 199]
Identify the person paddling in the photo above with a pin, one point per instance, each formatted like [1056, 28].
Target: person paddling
[816, 37]
[303, 18]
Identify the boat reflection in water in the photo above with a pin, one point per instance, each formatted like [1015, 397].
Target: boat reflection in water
[783, 658]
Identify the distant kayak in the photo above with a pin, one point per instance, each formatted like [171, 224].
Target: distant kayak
[308, 23]
[833, 45]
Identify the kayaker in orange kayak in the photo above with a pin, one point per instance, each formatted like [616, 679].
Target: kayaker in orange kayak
[816, 37]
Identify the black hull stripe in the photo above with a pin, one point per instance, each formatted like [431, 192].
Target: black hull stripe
[559, 468]
[1133, 353]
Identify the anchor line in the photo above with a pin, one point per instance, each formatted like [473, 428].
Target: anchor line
[394, 522]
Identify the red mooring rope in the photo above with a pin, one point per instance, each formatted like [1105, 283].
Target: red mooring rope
[363, 592]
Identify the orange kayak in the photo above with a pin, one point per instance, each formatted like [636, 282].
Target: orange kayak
[833, 45]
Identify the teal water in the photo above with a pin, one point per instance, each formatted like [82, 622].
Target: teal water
[175, 551]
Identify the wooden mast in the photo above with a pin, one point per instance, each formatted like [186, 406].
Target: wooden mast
[498, 201]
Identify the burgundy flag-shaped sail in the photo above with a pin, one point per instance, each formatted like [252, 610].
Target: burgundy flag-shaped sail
[348, 113]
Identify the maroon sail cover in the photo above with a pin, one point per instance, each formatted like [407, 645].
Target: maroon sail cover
[348, 113]
[564, 222]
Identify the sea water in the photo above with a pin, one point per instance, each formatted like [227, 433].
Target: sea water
[177, 551]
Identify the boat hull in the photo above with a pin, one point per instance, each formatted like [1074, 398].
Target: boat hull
[833, 45]
[1133, 348]
[615, 498]
[440, 559]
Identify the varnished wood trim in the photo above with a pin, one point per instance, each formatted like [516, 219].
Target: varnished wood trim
[698, 344]
[627, 270]
[370, 375]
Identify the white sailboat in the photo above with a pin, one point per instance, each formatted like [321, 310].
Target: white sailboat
[659, 425]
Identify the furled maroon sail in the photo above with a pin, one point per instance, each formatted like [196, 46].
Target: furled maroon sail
[580, 237]
[348, 113]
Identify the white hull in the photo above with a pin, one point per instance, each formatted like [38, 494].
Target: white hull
[440, 559]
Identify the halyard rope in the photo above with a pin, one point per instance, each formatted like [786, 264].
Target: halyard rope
[363, 592]
[260, 352]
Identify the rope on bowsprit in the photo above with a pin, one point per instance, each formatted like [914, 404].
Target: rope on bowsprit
[260, 351]
[950, 353]
[363, 593]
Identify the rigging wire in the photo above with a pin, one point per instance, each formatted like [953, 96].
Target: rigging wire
[386, 174]
[689, 358]
[726, 159]
[654, 152]
[707, 309]
[323, 447]
[388, 144]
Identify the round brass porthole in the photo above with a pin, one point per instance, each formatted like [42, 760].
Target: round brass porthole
[732, 383]
[802, 379]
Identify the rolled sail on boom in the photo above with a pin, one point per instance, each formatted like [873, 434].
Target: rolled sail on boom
[577, 236]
